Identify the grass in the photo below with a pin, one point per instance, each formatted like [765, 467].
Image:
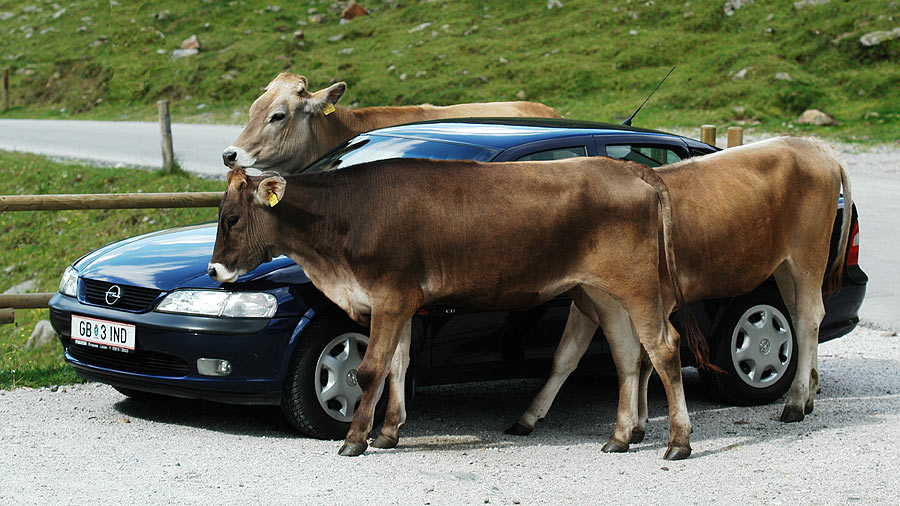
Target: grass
[39, 245]
[591, 59]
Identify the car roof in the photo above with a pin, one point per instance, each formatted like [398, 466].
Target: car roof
[503, 133]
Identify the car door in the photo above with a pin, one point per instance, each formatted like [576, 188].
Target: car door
[467, 344]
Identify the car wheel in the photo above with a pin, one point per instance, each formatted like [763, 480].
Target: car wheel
[321, 393]
[755, 346]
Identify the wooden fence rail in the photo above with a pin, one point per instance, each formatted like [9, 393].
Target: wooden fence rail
[108, 201]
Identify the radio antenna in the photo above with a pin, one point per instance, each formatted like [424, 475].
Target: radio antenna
[627, 122]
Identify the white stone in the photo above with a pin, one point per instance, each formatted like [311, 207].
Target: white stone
[42, 335]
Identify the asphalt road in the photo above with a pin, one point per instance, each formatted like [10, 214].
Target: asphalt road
[198, 148]
[874, 172]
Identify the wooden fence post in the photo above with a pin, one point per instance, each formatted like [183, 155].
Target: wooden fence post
[5, 90]
[165, 130]
[708, 134]
[7, 315]
[735, 136]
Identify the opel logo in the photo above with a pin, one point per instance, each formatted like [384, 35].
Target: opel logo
[351, 378]
[113, 294]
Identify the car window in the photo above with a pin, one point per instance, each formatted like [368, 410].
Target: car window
[654, 156]
[369, 148]
[555, 154]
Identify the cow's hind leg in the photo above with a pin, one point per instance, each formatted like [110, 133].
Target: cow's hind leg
[802, 295]
[639, 431]
[396, 408]
[576, 337]
[386, 328]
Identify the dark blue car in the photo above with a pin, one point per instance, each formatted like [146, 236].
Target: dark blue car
[143, 315]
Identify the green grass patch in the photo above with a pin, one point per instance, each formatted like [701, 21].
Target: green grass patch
[39, 245]
[591, 59]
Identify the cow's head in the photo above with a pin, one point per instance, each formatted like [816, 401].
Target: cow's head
[282, 125]
[246, 235]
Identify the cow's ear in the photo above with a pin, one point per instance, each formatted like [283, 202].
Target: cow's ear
[323, 100]
[270, 191]
[334, 92]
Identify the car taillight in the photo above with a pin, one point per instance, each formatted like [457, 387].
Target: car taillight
[853, 254]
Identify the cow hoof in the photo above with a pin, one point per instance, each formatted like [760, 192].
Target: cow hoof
[613, 446]
[677, 453]
[791, 414]
[352, 449]
[519, 429]
[637, 435]
[385, 442]
[809, 406]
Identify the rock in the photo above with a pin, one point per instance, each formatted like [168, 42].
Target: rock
[554, 3]
[807, 3]
[403, 77]
[274, 8]
[354, 10]
[24, 287]
[317, 18]
[298, 35]
[336, 38]
[503, 60]
[783, 76]
[191, 43]
[733, 5]
[633, 32]
[181, 53]
[42, 335]
[7, 15]
[740, 74]
[346, 50]
[58, 13]
[871, 114]
[520, 94]
[874, 38]
[420, 27]
[815, 117]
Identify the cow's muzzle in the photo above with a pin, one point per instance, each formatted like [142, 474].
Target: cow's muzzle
[219, 273]
[229, 157]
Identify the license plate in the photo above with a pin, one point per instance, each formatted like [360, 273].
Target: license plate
[103, 334]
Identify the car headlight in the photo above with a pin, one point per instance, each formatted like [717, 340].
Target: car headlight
[219, 303]
[69, 282]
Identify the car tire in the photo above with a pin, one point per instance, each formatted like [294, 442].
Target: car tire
[756, 347]
[320, 393]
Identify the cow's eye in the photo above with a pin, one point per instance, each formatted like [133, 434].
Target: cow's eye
[278, 116]
[231, 221]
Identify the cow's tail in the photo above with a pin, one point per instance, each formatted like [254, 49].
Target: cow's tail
[835, 273]
[689, 326]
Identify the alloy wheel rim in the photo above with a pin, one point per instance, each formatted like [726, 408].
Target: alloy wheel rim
[336, 386]
[761, 346]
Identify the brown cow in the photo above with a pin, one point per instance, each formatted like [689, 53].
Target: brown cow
[740, 216]
[290, 127]
[385, 238]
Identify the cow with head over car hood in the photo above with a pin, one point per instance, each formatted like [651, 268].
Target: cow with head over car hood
[383, 239]
[290, 127]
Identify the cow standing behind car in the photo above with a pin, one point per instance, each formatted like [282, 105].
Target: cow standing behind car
[383, 239]
[290, 127]
[740, 216]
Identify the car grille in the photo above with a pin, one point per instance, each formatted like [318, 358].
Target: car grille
[142, 362]
[132, 298]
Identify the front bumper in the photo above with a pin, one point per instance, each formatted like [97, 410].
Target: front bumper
[168, 346]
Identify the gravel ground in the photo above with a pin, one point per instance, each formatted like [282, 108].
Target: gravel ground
[87, 444]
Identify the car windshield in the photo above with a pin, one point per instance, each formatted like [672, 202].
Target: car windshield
[369, 148]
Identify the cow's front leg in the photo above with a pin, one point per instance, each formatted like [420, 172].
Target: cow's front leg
[396, 380]
[386, 328]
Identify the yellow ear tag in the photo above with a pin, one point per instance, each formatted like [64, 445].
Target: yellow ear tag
[273, 199]
[329, 108]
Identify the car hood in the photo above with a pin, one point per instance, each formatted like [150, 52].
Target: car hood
[170, 259]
